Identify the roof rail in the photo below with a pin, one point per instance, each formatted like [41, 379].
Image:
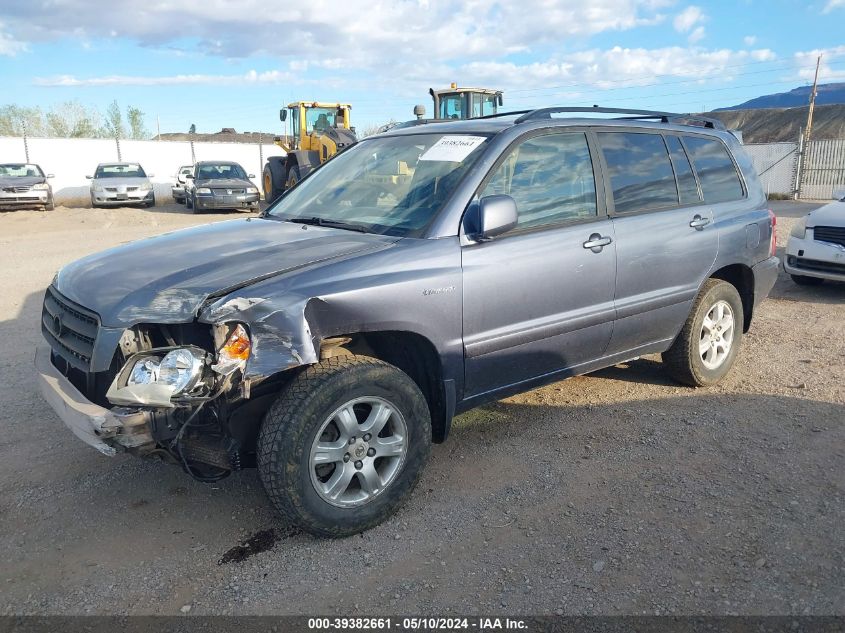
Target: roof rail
[663, 117]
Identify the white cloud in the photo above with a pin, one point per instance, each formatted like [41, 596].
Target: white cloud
[688, 18]
[9, 46]
[749, 40]
[597, 69]
[251, 77]
[833, 4]
[697, 35]
[806, 63]
[361, 32]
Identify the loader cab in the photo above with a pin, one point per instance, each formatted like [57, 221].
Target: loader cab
[465, 103]
[307, 118]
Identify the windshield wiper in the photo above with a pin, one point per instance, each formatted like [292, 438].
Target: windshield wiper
[333, 224]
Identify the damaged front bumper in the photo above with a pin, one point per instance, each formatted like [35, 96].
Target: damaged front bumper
[108, 430]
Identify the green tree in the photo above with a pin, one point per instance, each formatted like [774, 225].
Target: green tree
[113, 126]
[15, 120]
[137, 129]
[71, 119]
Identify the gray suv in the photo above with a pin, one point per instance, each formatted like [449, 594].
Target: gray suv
[416, 275]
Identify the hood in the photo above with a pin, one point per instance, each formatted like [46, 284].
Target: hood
[832, 214]
[166, 279]
[223, 183]
[21, 181]
[120, 181]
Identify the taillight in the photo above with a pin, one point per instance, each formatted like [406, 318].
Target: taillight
[773, 242]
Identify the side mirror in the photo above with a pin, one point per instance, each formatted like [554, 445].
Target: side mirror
[495, 215]
[189, 176]
[151, 175]
[283, 115]
[251, 176]
[89, 177]
[50, 176]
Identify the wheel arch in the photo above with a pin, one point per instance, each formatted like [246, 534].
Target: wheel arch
[740, 277]
[412, 353]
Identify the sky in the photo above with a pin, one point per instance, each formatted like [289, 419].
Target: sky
[228, 63]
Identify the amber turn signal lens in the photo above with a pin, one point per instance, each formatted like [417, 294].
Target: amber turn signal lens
[237, 347]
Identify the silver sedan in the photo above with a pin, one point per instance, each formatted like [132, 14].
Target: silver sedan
[121, 184]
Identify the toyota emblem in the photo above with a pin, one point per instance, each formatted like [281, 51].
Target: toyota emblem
[58, 326]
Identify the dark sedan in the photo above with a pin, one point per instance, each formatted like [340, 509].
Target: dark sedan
[220, 185]
[24, 185]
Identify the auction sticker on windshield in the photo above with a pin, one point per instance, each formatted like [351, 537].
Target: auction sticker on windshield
[453, 148]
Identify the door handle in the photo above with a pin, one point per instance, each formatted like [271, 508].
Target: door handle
[597, 242]
[698, 222]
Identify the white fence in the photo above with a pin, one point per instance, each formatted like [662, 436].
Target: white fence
[71, 159]
[775, 164]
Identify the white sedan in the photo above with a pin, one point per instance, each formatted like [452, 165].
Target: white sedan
[816, 248]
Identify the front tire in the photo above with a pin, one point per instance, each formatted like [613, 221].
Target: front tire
[803, 280]
[706, 348]
[294, 176]
[344, 445]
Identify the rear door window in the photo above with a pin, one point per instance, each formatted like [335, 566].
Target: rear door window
[687, 186]
[551, 179]
[640, 173]
[716, 171]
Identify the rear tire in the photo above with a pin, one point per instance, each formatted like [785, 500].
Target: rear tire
[325, 409]
[706, 348]
[803, 280]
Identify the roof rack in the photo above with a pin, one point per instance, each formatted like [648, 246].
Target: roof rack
[663, 117]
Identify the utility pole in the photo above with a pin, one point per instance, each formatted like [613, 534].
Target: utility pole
[158, 128]
[809, 128]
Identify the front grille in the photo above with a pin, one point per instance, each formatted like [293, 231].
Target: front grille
[70, 329]
[16, 189]
[820, 266]
[111, 189]
[831, 234]
[228, 192]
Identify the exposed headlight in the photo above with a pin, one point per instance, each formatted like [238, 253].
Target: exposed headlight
[153, 378]
[41, 186]
[203, 190]
[98, 189]
[800, 229]
[252, 190]
[180, 369]
[146, 187]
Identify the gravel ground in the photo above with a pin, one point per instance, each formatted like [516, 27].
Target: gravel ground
[617, 493]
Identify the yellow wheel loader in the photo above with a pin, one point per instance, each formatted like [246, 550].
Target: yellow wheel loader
[318, 132]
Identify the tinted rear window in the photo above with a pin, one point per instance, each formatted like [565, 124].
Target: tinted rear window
[687, 187]
[641, 175]
[716, 171]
